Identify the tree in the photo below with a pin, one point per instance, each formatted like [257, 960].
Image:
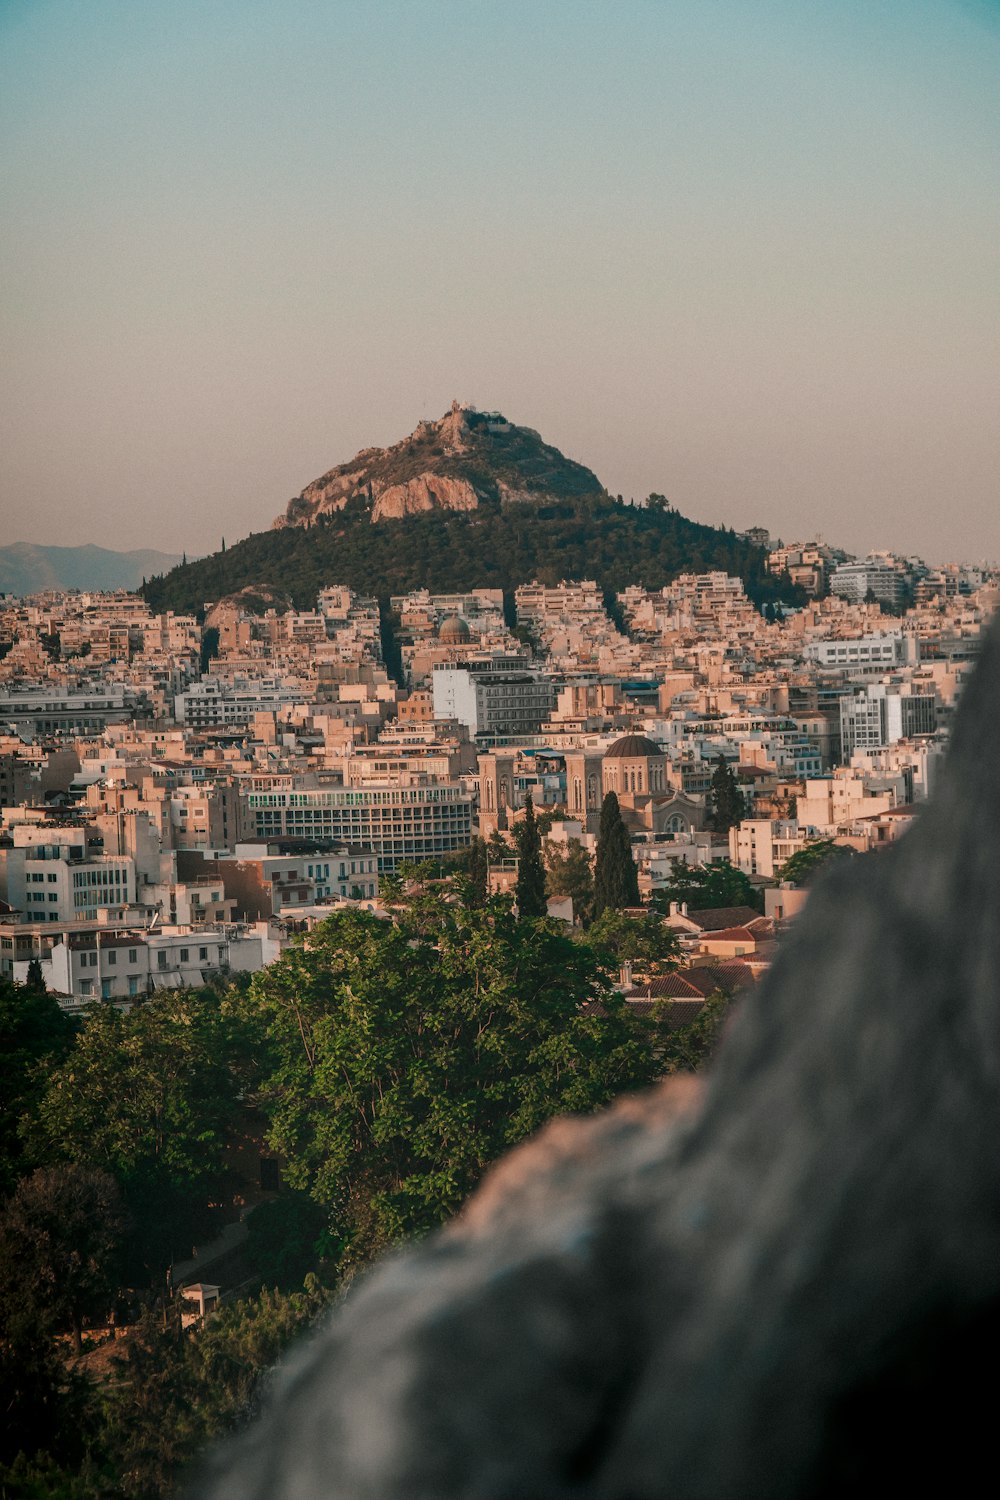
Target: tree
[477, 873]
[568, 873]
[530, 895]
[34, 980]
[704, 887]
[171, 1393]
[61, 1235]
[727, 806]
[805, 864]
[401, 1059]
[148, 1096]
[284, 1239]
[644, 941]
[35, 1036]
[616, 880]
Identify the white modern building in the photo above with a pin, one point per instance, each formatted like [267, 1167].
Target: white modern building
[54, 875]
[126, 965]
[398, 822]
[880, 714]
[493, 696]
[880, 652]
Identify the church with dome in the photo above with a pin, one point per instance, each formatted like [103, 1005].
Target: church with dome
[633, 766]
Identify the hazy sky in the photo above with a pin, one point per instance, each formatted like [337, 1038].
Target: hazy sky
[745, 252]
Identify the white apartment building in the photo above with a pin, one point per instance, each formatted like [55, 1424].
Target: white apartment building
[880, 714]
[494, 696]
[120, 966]
[882, 651]
[217, 702]
[55, 876]
[399, 822]
[856, 580]
[34, 712]
[760, 846]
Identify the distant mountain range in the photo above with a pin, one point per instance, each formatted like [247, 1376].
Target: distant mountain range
[27, 569]
[469, 501]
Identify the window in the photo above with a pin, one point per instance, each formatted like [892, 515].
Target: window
[86, 986]
[133, 984]
[202, 954]
[133, 956]
[185, 955]
[112, 956]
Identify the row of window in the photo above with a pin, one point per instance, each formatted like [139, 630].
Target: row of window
[90, 957]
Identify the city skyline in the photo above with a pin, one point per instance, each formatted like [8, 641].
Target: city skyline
[744, 255]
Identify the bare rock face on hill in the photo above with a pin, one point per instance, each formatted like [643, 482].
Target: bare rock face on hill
[467, 459]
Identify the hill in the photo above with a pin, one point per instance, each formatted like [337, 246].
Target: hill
[27, 569]
[469, 501]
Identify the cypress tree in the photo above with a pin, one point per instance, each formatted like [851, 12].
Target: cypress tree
[35, 979]
[477, 874]
[530, 893]
[616, 880]
[727, 805]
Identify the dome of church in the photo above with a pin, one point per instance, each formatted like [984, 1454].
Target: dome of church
[632, 747]
[454, 631]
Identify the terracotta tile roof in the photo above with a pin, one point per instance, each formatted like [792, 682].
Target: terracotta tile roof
[730, 935]
[716, 918]
[675, 1013]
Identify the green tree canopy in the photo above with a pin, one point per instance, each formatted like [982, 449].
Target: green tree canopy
[726, 801]
[147, 1095]
[704, 887]
[806, 863]
[35, 1036]
[616, 881]
[61, 1236]
[568, 872]
[477, 873]
[644, 941]
[530, 894]
[403, 1059]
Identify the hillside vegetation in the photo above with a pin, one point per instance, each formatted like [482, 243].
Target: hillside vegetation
[494, 547]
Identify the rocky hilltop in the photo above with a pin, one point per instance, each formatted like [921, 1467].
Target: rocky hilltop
[466, 459]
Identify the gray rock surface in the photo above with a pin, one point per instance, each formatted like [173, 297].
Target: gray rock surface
[781, 1286]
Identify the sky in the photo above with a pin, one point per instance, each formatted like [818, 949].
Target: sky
[745, 253]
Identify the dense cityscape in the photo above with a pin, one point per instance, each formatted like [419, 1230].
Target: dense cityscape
[180, 796]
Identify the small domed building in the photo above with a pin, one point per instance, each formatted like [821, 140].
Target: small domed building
[634, 764]
[454, 631]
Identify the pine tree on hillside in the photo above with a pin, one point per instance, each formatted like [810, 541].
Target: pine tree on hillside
[727, 806]
[530, 894]
[616, 880]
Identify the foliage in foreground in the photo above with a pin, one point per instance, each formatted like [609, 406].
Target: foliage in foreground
[168, 1395]
[403, 1059]
[705, 887]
